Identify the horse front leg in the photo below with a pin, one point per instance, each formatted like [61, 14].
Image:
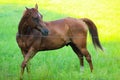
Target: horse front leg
[27, 57]
[24, 52]
[22, 67]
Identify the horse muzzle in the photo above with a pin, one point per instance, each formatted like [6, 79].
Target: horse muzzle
[44, 31]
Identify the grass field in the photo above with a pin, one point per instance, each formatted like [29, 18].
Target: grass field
[62, 64]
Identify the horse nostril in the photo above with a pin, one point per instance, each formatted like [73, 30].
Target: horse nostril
[44, 32]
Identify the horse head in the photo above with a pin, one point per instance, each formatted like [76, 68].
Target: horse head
[34, 20]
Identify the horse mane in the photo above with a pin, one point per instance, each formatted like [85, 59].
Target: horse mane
[23, 27]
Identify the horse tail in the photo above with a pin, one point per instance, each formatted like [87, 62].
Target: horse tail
[93, 32]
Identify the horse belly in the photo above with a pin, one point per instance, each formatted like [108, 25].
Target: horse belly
[52, 44]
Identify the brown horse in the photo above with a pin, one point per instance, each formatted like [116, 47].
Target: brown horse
[36, 35]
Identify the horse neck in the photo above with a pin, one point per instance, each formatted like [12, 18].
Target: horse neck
[24, 28]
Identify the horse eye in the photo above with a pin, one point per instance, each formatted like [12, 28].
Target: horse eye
[36, 19]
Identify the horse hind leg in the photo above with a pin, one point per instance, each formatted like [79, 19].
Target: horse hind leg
[88, 57]
[79, 54]
[80, 43]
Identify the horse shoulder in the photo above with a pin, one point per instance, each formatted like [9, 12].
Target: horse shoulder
[20, 42]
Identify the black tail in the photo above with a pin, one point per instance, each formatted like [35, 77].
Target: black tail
[94, 33]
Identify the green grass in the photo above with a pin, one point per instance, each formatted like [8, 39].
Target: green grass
[62, 64]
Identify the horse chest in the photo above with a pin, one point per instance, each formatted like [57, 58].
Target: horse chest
[24, 43]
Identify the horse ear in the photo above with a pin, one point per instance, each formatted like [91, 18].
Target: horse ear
[36, 6]
[26, 8]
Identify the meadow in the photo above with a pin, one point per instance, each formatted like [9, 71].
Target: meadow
[62, 64]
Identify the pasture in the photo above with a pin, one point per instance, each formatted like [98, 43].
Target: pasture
[62, 64]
